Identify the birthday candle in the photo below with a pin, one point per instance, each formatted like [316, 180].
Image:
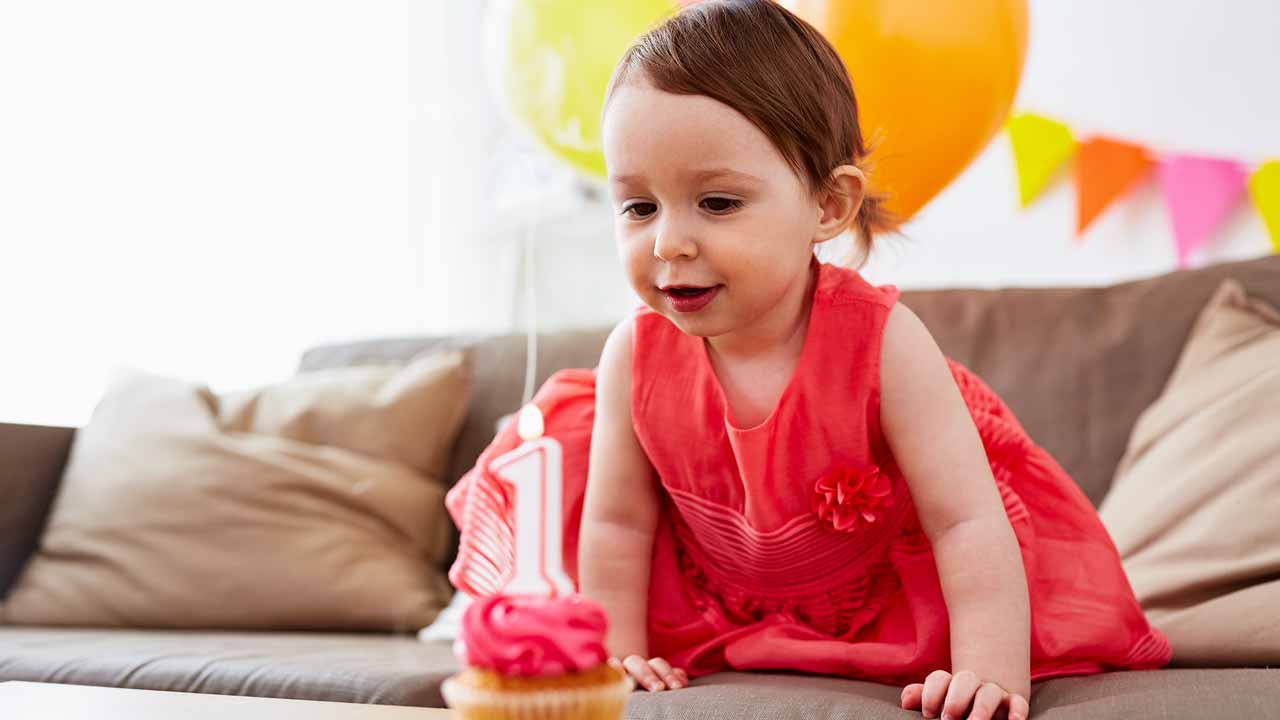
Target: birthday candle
[533, 470]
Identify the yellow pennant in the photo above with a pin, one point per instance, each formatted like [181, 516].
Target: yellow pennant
[1040, 147]
[1264, 186]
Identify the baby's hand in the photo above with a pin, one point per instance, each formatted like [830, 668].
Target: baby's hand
[654, 674]
[951, 695]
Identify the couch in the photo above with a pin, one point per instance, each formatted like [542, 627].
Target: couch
[1077, 365]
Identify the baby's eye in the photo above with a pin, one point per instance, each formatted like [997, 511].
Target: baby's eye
[720, 205]
[640, 209]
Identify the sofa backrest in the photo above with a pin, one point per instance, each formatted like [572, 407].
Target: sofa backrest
[32, 458]
[1079, 365]
[1076, 365]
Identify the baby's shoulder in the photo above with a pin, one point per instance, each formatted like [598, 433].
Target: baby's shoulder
[613, 373]
[619, 343]
[846, 286]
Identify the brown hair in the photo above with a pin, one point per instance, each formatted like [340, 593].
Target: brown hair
[779, 72]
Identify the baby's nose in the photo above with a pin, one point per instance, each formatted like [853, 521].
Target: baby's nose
[671, 244]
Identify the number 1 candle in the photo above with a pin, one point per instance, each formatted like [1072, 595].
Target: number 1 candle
[533, 471]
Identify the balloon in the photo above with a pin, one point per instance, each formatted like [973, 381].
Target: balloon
[934, 81]
[552, 63]
[934, 78]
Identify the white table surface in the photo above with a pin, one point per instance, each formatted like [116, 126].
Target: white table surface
[49, 701]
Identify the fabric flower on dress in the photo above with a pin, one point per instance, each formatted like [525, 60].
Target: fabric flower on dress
[849, 498]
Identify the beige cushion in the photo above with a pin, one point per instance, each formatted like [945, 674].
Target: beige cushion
[173, 514]
[1195, 503]
[376, 410]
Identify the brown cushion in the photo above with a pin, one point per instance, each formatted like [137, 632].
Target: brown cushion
[1196, 499]
[31, 462]
[167, 518]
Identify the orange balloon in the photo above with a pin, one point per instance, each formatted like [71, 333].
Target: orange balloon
[934, 81]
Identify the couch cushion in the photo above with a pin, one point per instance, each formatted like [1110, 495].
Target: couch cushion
[166, 518]
[1076, 365]
[338, 667]
[404, 414]
[394, 670]
[1193, 508]
[1166, 694]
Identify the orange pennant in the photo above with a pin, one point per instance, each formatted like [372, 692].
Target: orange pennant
[1105, 170]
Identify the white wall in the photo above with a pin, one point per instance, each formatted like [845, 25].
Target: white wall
[208, 190]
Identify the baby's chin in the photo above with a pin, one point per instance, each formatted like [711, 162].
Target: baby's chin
[708, 322]
[702, 324]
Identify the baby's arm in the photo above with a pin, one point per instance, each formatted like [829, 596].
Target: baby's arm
[934, 441]
[619, 515]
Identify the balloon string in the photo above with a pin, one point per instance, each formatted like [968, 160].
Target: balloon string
[530, 304]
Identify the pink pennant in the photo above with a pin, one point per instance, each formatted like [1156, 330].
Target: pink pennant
[1199, 192]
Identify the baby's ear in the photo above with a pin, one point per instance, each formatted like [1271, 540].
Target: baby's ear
[839, 202]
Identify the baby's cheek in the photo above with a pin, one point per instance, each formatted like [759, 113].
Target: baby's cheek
[639, 274]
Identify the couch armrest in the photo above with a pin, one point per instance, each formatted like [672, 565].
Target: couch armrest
[32, 458]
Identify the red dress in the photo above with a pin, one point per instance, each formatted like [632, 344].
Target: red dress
[794, 544]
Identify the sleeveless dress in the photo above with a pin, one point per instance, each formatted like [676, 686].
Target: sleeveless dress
[794, 544]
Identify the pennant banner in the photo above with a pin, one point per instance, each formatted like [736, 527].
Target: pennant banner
[1105, 170]
[1040, 147]
[1264, 186]
[1199, 192]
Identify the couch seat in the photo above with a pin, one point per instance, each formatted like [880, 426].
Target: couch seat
[399, 670]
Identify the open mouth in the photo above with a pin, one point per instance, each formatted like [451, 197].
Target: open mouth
[689, 298]
[687, 291]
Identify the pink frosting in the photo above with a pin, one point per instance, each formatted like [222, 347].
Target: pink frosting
[532, 636]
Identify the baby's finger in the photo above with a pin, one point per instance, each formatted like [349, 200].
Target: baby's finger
[960, 694]
[665, 671]
[935, 691]
[682, 676]
[911, 695]
[1019, 707]
[640, 670]
[989, 699]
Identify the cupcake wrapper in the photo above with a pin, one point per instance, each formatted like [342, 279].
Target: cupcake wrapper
[602, 702]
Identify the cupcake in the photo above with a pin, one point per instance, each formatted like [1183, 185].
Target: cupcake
[527, 657]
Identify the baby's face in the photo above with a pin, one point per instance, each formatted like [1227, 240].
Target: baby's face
[704, 200]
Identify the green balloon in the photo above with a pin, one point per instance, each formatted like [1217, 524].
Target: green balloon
[553, 63]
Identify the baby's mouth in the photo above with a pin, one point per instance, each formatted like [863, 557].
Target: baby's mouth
[689, 298]
[686, 291]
